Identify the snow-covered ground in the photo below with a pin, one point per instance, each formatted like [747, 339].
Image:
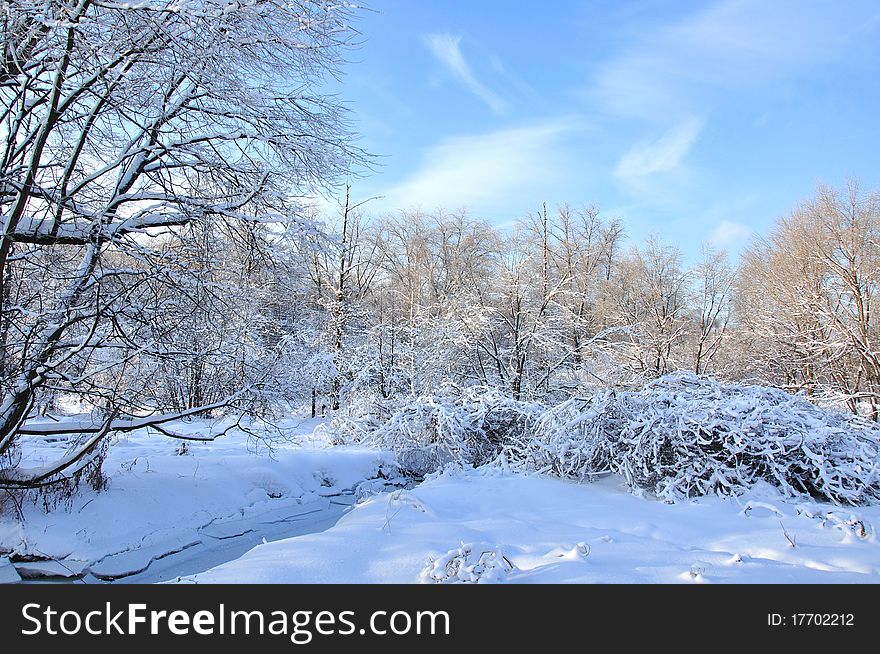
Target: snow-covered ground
[166, 514]
[474, 525]
[231, 511]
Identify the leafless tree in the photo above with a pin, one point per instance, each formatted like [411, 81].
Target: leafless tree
[713, 279]
[650, 292]
[121, 126]
[809, 294]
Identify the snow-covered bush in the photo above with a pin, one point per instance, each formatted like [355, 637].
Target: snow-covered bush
[681, 435]
[498, 419]
[469, 564]
[695, 436]
[363, 414]
[427, 433]
[346, 428]
[569, 440]
[685, 435]
[452, 425]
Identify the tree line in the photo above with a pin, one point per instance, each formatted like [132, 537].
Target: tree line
[562, 303]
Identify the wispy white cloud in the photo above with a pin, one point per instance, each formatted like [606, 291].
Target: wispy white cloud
[447, 49]
[730, 44]
[662, 155]
[730, 236]
[485, 170]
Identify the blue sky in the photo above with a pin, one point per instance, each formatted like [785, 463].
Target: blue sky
[698, 121]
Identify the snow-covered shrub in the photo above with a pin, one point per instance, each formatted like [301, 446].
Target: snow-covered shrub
[685, 435]
[695, 436]
[679, 436]
[452, 425]
[498, 419]
[363, 414]
[469, 564]
[571, 439]
[347, 429]
[427, 433]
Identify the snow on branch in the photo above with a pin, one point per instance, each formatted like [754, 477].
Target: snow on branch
[453, 426]
[682, 435]
[685, 435]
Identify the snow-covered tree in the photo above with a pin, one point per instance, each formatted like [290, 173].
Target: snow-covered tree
[125, 129]
[806, 305]
[649, 298]
[713, 290]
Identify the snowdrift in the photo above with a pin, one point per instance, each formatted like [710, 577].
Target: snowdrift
[485, 526]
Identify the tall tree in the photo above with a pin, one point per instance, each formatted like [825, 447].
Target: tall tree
[651, 302]
[713, 280]
[122, 125]
[809, 295]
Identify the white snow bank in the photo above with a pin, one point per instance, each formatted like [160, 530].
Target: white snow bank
[483, 526]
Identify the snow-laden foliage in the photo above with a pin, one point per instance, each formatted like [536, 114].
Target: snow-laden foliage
[468, 564]
[454, 425]
[569, 440]
[682, 435]
[685, 435]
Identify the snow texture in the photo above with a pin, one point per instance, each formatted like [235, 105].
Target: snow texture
[486, 526]
[166, 514]
[8, 573]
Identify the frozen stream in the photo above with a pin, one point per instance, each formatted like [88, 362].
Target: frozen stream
[194, 550]
[167, 514]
